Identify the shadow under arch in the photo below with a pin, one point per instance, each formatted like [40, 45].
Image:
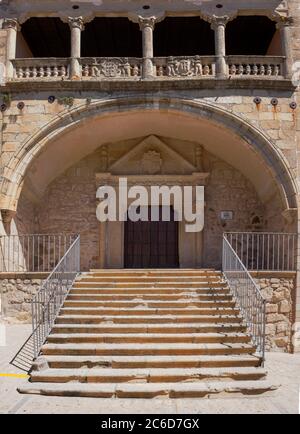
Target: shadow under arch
[256, 140]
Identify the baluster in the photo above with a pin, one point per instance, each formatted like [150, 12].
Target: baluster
[34, 72]
[136, 71]
[55, 71]
[262, 70]
[41, 71]
[233, 69]
[248, 69]
[206, 70]
[20, 73]
[269, 70]
[86, 71]
[63, 71]
[27, 72]
[48, 71]
[241, 69]
[276, 70]
[255, 69]
[160, 71]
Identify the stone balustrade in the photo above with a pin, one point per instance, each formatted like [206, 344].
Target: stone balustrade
[177, 67]
[41, 69]
[255, 66]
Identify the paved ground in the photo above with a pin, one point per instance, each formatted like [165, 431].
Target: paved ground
[283, 369]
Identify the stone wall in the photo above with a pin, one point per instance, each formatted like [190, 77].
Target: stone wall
[16, 291]
[279, 291]
[69, 204]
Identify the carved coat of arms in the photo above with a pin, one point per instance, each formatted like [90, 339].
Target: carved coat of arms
[151, 162]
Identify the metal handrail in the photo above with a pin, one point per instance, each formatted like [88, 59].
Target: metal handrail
[33, 252]
[265, 251]
[52, 294]
[247, 294]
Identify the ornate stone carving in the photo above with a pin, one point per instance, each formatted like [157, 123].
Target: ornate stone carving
[217, 21]
[283, 21]
[147, 22]
[111, 68]
[76, 22]
[185, 67]
[11, 23]
[151, 162]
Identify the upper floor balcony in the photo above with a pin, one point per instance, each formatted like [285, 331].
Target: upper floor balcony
[178, 49]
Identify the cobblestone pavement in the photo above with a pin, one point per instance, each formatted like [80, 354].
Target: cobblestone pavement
[283, 369]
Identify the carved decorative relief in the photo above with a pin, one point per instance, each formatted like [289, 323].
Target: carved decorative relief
[186, 67]
[112, 68]
[151, 162]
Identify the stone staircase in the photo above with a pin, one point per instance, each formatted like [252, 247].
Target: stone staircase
[148, 333]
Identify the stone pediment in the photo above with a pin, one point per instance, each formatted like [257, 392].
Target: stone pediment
[152, 157]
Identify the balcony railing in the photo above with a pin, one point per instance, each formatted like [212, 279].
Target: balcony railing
[255, 66]
[128, 68]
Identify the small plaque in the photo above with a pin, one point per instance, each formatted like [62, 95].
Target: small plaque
[226, 215]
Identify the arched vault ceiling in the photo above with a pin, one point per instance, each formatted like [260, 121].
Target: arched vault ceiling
[71, 145]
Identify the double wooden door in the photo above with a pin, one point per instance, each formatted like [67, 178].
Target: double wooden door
[151, 244]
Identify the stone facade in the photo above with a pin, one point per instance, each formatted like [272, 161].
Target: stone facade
[279, 291]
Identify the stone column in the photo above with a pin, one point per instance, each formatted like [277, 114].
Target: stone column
[284, 26]
[219, 27]
[12, 27]
[76, 26]
[147, 27]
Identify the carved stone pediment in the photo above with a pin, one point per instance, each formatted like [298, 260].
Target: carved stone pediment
[150, 157]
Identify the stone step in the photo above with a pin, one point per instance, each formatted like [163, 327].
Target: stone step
[147, 349]
[171, 390]
[131, 329]
[140, 362]
[150, 304]
[151, 312]
[138, 285]
[144, 338]
[148, 279]
[150, 291]
[153, 273]
[182, 296]
[158, 319]
[109, 375]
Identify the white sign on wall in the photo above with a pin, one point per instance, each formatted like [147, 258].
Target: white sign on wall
[226, 215]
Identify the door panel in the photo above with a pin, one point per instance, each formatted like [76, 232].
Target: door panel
[151, 244]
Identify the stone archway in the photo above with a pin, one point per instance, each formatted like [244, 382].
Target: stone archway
[254, 139]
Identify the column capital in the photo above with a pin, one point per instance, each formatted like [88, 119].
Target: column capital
[76, 23]
[219, 21]
[11, 23]
[284, 22]
[146, 22]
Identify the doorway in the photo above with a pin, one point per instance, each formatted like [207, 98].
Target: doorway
[151, 244]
